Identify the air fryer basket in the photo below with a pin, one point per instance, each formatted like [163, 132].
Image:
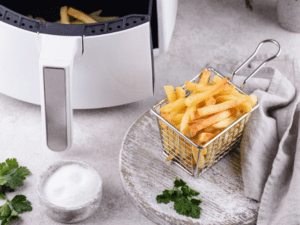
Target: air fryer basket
[131, 13]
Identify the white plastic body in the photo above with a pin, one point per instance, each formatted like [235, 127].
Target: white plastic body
[166, 13]
[114, 69]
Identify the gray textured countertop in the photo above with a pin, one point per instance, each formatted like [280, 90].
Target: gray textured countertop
[206, 31]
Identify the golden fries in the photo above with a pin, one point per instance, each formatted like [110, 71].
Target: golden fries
[176, 106]
[200, 124]
[199, 97]
[170, 157]
[196, 87]
[93, 15]
[211, 109]
[253, 100]
[224, 123]
[224, 98]
[80, 15]
[103, 19]
[202, 157]
[170, 93]
[216, 79]
[210, 101]
[180, 92]
[96, 13]
[186, 119]
[177, 118]
[201, 116]
[64, 15]
[204, 77]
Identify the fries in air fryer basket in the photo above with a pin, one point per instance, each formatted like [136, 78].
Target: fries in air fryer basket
[74, 16]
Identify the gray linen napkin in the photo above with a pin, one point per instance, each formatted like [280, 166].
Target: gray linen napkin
[270, 147]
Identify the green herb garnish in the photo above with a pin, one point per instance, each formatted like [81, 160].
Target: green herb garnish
[248, 4]
[184, 204]
[11, 177]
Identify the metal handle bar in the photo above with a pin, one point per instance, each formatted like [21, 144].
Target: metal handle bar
[261, 65]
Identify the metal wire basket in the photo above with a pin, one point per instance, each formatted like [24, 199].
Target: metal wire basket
[181, 147]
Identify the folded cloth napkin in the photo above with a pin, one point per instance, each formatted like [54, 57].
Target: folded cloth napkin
[270, 146]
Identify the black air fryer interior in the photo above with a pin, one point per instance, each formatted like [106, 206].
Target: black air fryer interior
[50, 10]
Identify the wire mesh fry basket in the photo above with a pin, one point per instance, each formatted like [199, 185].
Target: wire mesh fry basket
[196, 159]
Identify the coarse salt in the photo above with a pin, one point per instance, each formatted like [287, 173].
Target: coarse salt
[71, 185]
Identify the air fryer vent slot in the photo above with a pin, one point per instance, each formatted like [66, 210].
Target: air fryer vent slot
[12, 18]
[1, 13]
[115, 26]
[134, 20]
[123, 23]
[29, 24]
[95, 30]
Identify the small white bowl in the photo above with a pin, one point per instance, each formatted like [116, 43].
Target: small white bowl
[68, 214]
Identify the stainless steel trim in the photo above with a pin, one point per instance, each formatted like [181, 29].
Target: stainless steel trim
[55, 108]
[261, 65]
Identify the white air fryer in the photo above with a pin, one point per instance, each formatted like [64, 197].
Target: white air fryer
[64, 67]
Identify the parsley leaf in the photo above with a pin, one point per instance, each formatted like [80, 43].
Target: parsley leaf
[184, 204]
[14, 181]
[164, 198]
[2, 196]
[2, 180]
[5, 210]
[179, 183]
[23, 171]
[9, 219]
[195, 212]
[9, 166]
[12, 163]
[175, 196]
[4, 189]
[11, 177]
[20, 204]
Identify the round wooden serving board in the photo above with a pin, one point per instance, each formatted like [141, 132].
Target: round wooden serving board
[145, 175]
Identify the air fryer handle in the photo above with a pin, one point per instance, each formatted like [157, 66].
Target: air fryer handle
[57, 54]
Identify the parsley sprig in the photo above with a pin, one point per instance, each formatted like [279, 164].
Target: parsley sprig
[11, 177]
[184, 204]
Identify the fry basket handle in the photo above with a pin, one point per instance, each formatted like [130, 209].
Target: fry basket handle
[261, 65]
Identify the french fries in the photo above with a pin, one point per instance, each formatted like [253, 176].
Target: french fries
[170, 93]
[184, 128]
[201, 116]
[210, 101]
[64, 15]
[199, 97]
[224, 123]
[204, 77]
[175, 106]
[196, 87]
[180, 93]
[200, 124]
[212, 109]
[80, 15]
